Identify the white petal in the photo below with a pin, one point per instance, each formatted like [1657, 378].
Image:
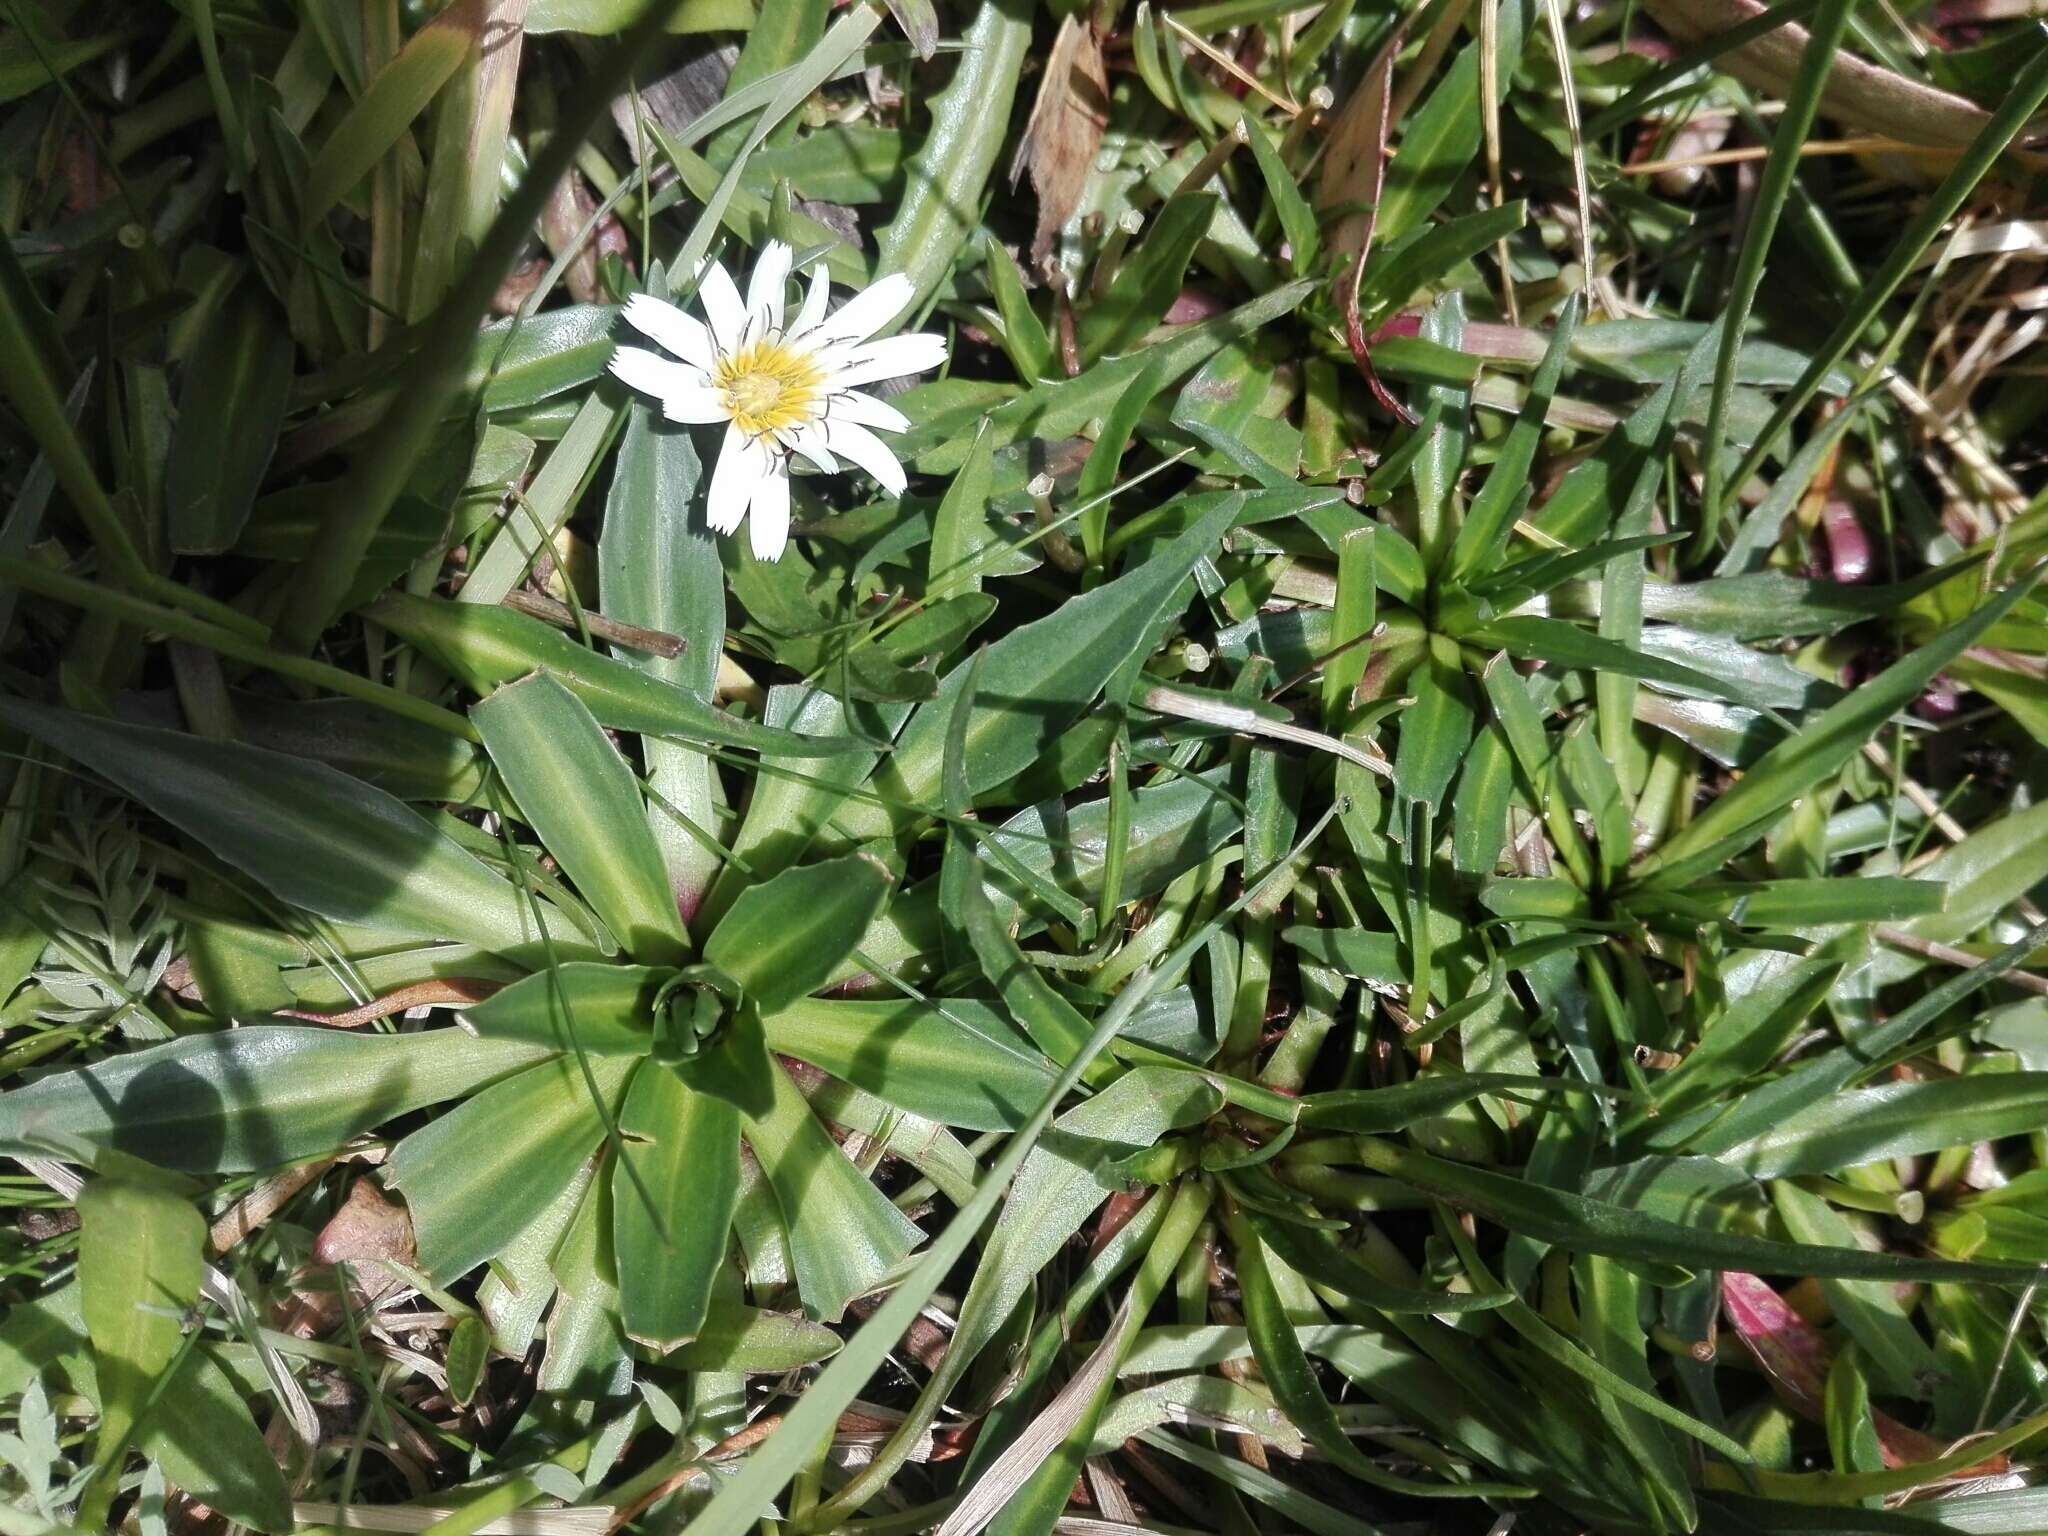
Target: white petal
[813, 309]
[852, 405]
[867, 311]
[867, 450]
[768, 521]
[764, 288]
[891, 358]
[664, 380]
[722, 307]
[698, 405]
[741, 464]
[809, 440]
[683, 334]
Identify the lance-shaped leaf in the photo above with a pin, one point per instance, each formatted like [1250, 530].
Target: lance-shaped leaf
[485, 646]
[672, 1204]
[316, 838]
[575, 790]
[784, 938]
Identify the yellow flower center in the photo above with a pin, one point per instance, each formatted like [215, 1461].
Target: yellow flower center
[769, 387]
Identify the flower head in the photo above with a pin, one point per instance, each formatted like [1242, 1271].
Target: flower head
[782, 390]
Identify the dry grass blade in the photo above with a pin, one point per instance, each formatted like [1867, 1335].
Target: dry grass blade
[1859, 93]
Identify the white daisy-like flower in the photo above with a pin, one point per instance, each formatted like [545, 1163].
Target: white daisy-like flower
[782, 390]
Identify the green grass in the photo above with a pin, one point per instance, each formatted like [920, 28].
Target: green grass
[1401, 892]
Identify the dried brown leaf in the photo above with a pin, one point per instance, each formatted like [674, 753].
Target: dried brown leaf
[1355, 154]
[1065, 129]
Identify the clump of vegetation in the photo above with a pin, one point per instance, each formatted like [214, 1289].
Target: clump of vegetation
[1368, 859]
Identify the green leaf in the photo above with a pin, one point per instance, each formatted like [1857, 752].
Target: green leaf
[1292, 1380]
[1035, 682]
[376, 122]
[316, 838]
[952, 1059]
[1375, 1111]
[469, 1351]
[1788, 140]
[141, 1255]
[2029, 89]
[844, 1235]
[1024, 337]
[1869, 1125]
[1814, 753]
[485, 646]
[1319, 1259]
[960, 530]
[783, 939]
[1061, 407]
[1596, 1226]
[658, 567]
[577, 793]
[1148, 280]
[1874, 1315]
[945, 178]
[683, 1150]
[1297, 220]
[1402, 269]
[749, 1340]
[201, 1432]
[256, 1097]
[1483, 536]
[1436, 730]
[231, 404]
[539, 1126]
[582, 1005]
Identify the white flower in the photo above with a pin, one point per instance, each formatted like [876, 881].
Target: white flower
[779, 391]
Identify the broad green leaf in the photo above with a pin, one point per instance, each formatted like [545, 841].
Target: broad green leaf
[486, 646]
[141, 1254]
[960, 531]
[315, 838]
[747, 1339]
[794, 799]
[783, 939]
[582, 1005]
[539, 1125]
[1891, 1120]
[658, 567]
[231, 403]
[256, 1097]
[844, 1235]
[952, 1059]
[578, 795]
[202, 1434]
[683, 1150]
[1436, 730]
